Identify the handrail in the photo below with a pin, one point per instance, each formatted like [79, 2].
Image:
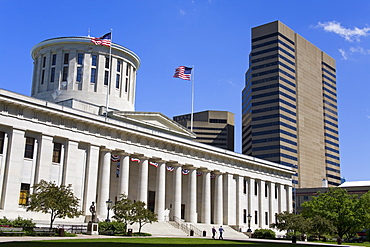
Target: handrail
[186, 227]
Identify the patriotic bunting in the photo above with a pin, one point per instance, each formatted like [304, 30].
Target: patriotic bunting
[114, 158]
[170, 168]
[153, 164]
[185, 172]
[213, 175]
[199, 173]
[135, 160]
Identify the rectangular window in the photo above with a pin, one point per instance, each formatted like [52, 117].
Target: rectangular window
[54, 59]
[276, 191]
[43, 62]
[28, 150]
[106, 77]
[66, 58]
[23, 195]
[266, 190]
[57, 151]
[127, 69]
[52, 75]
[94, 59]
[266, 218]
[65, 73]
[118, 66]
[255, 188]
[244, 216]
[126, 85]
[80, 58]
[93, 75]
[255, 217]
[245, 186]
[79, 74]
[42, 76]
[107, 63]
[2, 137]
[117, 80]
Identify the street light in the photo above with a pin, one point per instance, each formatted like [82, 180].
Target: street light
[109, 206]
[249, 223]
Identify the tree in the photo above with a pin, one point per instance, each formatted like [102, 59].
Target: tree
[340, 208]
[59, 201]
[319, 226]
[124, 211]
[142, 215]
[287, 221]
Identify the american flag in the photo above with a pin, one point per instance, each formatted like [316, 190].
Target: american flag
[185, 172]
[114, 158]
[183, 72]
[153, 164]
[135, 160]
[104, 40]
[170, 168]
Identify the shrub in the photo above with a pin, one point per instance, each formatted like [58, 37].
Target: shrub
[5, 222]
[264, 233]
[112, 228]
[25, 223]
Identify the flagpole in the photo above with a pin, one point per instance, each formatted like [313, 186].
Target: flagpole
[192, 100]
[110, 75]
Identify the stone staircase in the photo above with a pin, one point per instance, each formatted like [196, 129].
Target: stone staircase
[182, 229]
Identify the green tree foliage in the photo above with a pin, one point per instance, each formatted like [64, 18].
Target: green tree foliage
[124, 211]
[291, 222]
[128, 213]
[58, 201]
[343, 210]
[142, 215]
[319, 226]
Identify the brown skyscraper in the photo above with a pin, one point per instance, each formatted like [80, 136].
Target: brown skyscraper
[290, 105]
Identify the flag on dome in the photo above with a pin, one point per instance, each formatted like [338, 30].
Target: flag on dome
[153, 164]
[183, 72]
[104, 40]
[135, 160]
[185, 172]
[170, 168]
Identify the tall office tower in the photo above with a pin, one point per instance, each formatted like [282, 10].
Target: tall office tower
[215, 128]
[290, 105]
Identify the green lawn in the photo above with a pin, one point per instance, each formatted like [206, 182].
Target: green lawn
[144, 242]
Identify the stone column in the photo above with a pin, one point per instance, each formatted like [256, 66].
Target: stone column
[91, 177]
[143, 182]
[192, 195]
[103, 195]
[160, 195]
[261, 196]
[218, 200]
[206, 198]
[124, 174]
[239, 203]
[45, 157]
[12, 177]
[177, 191]
[3, 164]
[289, 196]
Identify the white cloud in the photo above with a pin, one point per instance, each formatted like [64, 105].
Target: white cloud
[182, 12]
[359, 50]
[343, 53]
[347, 34]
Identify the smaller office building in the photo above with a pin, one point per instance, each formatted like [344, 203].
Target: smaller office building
[214, 128]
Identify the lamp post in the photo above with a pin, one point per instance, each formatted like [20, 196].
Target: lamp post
[249, 223]
[109, 206]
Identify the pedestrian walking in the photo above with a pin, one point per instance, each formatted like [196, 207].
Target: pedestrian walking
[221, 230]
[213, 232]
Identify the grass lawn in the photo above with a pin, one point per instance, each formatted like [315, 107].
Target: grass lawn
[144, 242]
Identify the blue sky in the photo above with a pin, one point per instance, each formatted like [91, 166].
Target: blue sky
[214, 37]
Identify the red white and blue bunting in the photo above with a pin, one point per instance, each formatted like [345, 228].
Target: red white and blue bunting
[185, 172]
[153, 164]
[170, 168]
[115, 158]
[135, 160]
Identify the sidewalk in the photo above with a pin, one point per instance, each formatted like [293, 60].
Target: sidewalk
[82, 236]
